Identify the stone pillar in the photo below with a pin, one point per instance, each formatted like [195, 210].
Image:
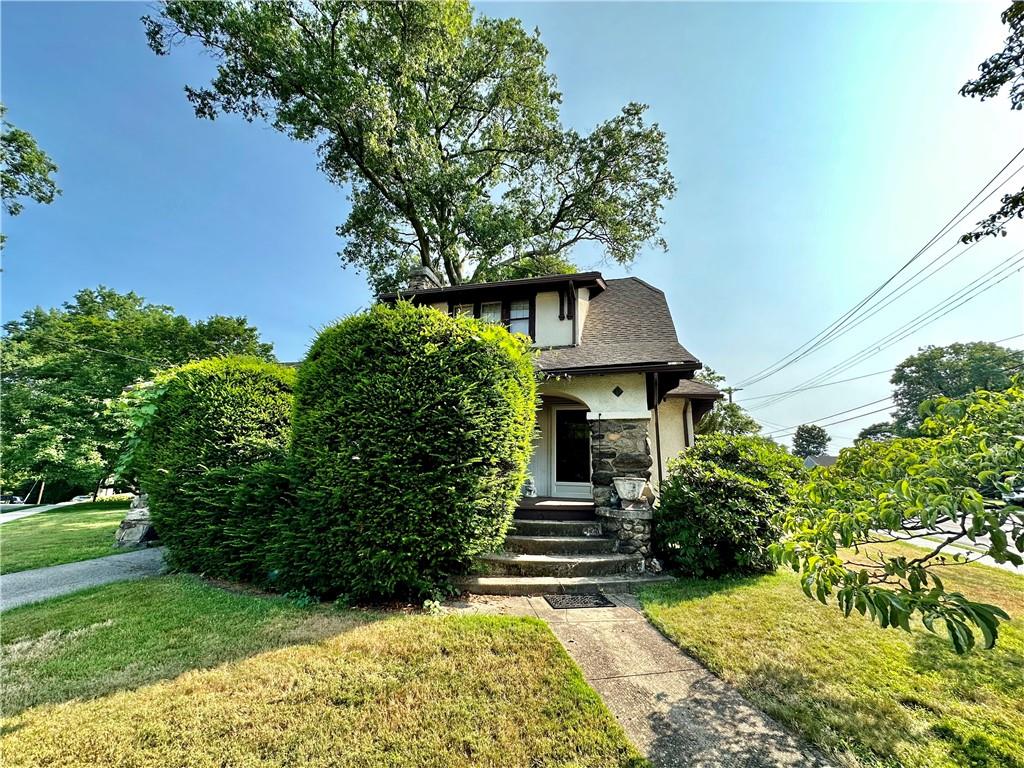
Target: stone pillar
[137, 527]
[622, 448]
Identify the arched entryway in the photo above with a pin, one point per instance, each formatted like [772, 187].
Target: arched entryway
[561, 461]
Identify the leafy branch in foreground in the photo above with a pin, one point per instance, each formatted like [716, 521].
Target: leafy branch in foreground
[958, 484]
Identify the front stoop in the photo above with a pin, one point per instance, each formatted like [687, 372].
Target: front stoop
[558, 548]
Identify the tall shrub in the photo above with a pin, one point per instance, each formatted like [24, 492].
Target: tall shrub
[213, 424]
[718, 506]
[412, 433]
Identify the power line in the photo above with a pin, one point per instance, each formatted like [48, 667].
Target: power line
[825, 336]
[819, 386]
[833, 423]
[843, 381]
[984, 282]
[832, 415]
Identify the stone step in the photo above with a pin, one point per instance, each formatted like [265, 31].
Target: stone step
[556, 527]
[547, 585]
[548, 508]
[554, 545]
[580, 512]
[513, 564]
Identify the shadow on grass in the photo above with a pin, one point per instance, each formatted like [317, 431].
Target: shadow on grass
[120, 637]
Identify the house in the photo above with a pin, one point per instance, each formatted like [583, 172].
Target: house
[819, 461]
[618, 397]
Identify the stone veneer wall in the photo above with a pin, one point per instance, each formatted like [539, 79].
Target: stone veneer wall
[621, 448]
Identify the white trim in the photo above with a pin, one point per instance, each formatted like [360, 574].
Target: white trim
[566, 490]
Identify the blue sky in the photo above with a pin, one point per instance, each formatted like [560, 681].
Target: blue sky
[816, 147]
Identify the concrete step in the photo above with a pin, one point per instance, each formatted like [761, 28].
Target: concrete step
[579, 512]
[556, 528]
[546, 585]
[554, 545]
[513, 564]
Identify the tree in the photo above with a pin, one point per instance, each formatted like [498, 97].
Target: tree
[810, 440]
[1003, 68]
[725, 417]
[26, 172]
[954, 484]
[950, 371]
[444, 124]
[882, 430]
[63, 366]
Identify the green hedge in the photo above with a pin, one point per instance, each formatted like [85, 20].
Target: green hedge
[717, 508]
[412, 433]
[218, 428]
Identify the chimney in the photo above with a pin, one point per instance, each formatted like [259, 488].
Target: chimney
[422, 279]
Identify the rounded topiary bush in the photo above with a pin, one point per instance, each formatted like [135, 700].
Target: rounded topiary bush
[212, 423]
[411, 437]
[718, 504]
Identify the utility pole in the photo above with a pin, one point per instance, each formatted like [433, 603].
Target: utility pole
[730, 390]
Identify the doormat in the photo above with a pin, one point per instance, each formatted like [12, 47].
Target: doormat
[559, 602]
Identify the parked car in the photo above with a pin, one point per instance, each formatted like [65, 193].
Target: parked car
[83, 497]
[9, 498]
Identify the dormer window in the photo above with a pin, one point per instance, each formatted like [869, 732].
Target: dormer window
[515, 314]
[519, 317]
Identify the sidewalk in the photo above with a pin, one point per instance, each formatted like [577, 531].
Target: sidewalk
[18, 514]
[43, 583]
[674, 710]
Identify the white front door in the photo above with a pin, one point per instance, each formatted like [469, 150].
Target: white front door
[561, 462]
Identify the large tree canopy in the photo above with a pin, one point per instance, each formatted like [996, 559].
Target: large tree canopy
[62, 366]
[952, 371]
[444, 124]
[1001, 69]
[26, 172]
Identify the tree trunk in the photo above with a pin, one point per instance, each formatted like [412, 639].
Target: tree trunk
[42, 488]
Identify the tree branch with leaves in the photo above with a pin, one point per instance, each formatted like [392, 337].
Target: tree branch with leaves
[957, 483]
[443, 124]
[1004, 68]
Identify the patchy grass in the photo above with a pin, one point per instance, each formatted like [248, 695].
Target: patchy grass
[870, 697]
[171, 671]
[62, 535]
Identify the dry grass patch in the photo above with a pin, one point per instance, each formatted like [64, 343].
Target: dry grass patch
[358, 690]
[62, 535]
[870, 697]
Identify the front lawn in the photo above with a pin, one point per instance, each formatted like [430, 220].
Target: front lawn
[172, 671]
[869, 696]
[62, 535]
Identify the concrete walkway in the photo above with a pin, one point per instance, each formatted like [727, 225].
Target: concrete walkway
[674, 710]
[18, 514]
[43, 583]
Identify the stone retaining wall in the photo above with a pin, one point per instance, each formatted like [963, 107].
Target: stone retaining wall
[621, 448]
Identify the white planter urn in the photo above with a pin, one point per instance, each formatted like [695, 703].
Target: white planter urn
[631, 491]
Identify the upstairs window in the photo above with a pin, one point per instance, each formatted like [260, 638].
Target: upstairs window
[516, 315]
[519, 317]
[490, 311]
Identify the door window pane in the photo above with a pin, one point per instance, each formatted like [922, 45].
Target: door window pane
[572, 447]
[490, 311]
[519, 317]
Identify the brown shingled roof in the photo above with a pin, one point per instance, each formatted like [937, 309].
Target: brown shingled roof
[695, 389]
[627, 324]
